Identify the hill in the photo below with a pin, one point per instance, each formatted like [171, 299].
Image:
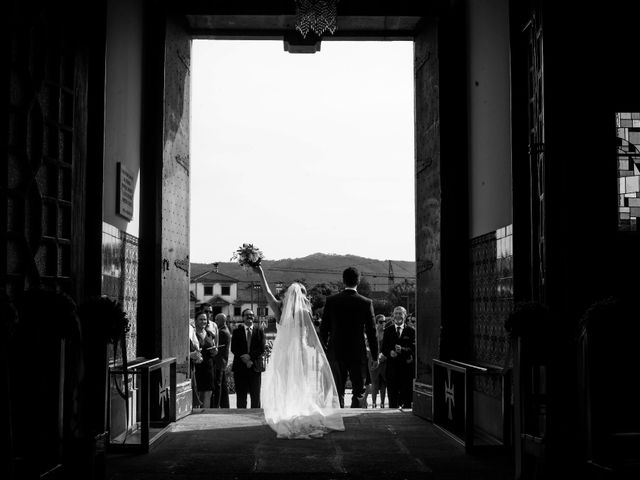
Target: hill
[317, 268]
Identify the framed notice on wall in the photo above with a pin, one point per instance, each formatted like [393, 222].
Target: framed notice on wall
[124, 196]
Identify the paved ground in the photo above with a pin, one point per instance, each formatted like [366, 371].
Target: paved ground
[347, 400]
[238, 445]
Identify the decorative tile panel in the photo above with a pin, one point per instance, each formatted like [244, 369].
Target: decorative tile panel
[130, 289]
[491, 302]
[120, 276]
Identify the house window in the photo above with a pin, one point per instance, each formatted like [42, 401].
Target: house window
[237, 311]
[208, 289]
[226, 290]
[263, 311]
[628, 159]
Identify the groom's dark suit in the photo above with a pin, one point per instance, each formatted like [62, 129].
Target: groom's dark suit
[347, 317]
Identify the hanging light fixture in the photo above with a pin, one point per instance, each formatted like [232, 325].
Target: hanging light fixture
[317, 16]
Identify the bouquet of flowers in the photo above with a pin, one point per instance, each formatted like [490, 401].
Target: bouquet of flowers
[248, 256]
[267, 350]
[261, 362]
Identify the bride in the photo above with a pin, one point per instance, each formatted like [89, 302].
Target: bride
[298, 392]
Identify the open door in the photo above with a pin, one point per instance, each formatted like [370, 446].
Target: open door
[441, 186]
[428, 204]
[164, 215]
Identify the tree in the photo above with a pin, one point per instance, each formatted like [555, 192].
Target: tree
[318, 295]
[325, 289]
[403, 294]
[364, 288]
[382, 306]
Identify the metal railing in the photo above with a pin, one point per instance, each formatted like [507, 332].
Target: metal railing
[140, 431]
[453, 402]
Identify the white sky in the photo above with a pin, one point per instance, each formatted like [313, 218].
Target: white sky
[302, 153]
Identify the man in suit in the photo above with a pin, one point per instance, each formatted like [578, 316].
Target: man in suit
[247, 344]
[398, 348]
[220, 397]
[346, 318]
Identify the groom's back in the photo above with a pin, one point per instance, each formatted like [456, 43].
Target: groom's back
[345, 319]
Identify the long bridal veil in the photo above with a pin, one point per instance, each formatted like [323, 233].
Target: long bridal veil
[298, 393]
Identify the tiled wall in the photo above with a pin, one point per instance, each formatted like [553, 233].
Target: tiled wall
[120, 275]
[491, 301]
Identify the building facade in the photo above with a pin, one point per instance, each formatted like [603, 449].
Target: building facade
[218, 290]
[230, 296]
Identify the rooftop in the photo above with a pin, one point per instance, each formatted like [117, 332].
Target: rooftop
[213, 277]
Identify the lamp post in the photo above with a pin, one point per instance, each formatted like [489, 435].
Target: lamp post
[257, 287]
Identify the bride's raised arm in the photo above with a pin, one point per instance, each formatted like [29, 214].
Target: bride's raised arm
[271, 299]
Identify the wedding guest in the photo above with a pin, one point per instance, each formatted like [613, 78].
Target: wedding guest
[247, 344]
[220, 397]
[211, 325]
[204, 369]
[398, 347]
[377, 371]
[195, 357]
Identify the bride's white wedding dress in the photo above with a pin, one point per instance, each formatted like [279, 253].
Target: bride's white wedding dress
[298, 393]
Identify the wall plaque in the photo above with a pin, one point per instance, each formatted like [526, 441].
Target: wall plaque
[124, 196]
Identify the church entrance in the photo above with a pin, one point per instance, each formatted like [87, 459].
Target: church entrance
[169, 299]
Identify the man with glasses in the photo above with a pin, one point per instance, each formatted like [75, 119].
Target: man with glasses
[248, 342]
[398, 345]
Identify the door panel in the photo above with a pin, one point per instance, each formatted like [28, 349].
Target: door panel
[428, 202]
[175, 194]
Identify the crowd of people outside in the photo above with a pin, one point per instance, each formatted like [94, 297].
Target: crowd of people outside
[228, 360]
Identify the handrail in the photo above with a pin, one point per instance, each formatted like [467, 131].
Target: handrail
[453, 366]
[469, 365]
[134, 365]
[485, 367]
[162, 363]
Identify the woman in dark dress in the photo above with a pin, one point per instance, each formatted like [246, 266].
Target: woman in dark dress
[204, 369]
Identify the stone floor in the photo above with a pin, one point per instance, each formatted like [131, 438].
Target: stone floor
[377, 444]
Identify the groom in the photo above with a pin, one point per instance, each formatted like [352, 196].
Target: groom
[347, 317]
